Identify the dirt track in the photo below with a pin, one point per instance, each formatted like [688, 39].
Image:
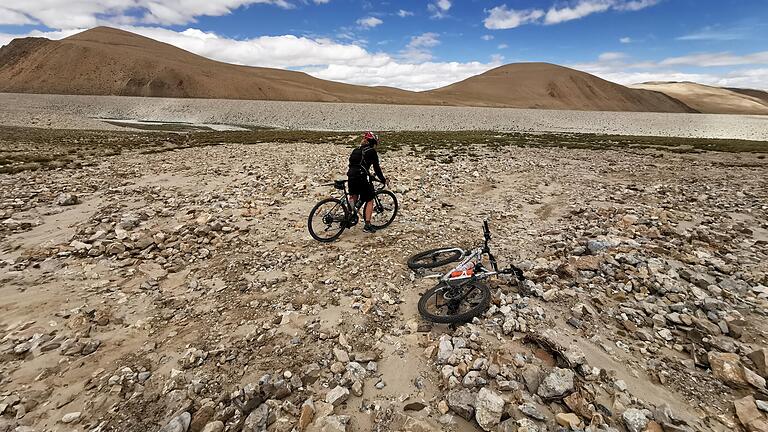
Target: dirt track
[79, 112]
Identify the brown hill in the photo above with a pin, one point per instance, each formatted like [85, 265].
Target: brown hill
[544, 85]
[106, 61]
[759, 94]
[715, 100]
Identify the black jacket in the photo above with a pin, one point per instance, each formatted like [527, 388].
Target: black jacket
[360, 162]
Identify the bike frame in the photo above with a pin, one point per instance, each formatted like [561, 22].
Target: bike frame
[473, 254]
[358, 203]
[476, 253]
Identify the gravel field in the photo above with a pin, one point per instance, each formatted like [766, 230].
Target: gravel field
[152, 286]
[80, 112]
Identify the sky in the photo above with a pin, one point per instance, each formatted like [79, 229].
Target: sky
[425, 44]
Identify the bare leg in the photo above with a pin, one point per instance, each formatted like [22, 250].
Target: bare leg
[368, 211]
[353, 201]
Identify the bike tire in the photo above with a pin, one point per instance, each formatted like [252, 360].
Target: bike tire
[422, 259]
[394, 212]
[342, 225]
[482, 306]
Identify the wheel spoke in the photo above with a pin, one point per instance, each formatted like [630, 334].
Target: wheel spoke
[327, 220]
[384, 208]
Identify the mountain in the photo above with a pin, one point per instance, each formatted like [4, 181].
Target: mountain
[544, 85]
[107, 61]
[709, 99]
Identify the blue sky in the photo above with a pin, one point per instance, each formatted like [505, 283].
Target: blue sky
[421, 44]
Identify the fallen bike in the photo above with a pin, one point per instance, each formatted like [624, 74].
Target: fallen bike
[331, 216]
[461, 293]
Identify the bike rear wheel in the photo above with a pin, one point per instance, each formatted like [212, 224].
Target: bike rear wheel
[327, 220]
[384, 209]
[434, 258]
[446, 305]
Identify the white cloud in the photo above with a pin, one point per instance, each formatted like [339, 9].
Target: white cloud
[411, 76]
[404, 13]
[322, 58]
[501, 17]
[497, 58]
[503, 46]
[579, 10]
[717, 59]
[418, 49]
[712, 34]
[611, 56]
[625, 40]
[620, 69]
[424, 40]
[5, 38]
[321, 1]
[439, 8]
[636, 5]
[486, 37]
[11, 17]
[69, 14]
[369, 22]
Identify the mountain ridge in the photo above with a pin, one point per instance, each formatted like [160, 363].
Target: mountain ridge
[108, 61]
[712, 99]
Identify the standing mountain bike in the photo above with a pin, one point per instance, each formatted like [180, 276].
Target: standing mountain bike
[461, 294]
[331, 216]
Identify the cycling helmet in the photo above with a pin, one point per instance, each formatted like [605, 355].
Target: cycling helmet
[371, 137]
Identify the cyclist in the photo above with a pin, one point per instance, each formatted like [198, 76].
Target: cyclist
[359, 175]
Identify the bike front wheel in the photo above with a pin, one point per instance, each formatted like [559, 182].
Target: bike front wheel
[327, 220]
[447, 305]
[434, 258]
[384, 209]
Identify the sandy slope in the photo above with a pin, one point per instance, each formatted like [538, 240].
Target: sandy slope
[106, 61]
[544, 85]
[713, 99]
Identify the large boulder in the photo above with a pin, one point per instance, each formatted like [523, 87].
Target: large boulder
[180, 423]
[558, 383]
[727, 368]
[635, 420]
[488, 408]
[760, 358]
[462, 402]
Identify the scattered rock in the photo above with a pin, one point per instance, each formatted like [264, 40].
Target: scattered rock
[488, 408]
[179, 423]
[556, 384]
[66, 199]
[635, 420]
[72, 417]
[462, 402]
[337, 396]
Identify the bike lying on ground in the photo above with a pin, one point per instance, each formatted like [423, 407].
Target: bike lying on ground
[331, 216]
[461, 294]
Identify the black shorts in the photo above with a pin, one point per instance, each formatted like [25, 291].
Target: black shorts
[362, 187]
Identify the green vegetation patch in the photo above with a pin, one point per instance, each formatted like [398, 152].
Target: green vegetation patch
[23, 149]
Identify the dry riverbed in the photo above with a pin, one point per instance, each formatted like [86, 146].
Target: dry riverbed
[90, 112]
[160, 280]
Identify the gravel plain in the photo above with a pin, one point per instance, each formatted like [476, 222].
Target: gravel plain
[164, 288]
[82, 112]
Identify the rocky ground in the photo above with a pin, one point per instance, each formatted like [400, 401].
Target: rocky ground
[177, 289]
[84, 112]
